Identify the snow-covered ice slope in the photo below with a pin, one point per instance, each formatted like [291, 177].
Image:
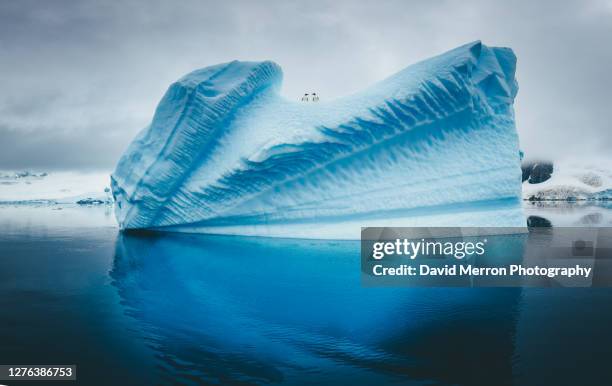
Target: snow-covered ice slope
[434, 144]
[589, 178]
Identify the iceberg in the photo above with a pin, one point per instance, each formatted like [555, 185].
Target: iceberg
[433, 145]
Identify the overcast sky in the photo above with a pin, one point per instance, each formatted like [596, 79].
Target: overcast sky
[78, 79]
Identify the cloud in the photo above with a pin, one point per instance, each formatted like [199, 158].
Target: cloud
[80, 78]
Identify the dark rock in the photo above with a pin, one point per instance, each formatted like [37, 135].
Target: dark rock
[538, 222]
[90, 201]
[526, 168]
[537, 172]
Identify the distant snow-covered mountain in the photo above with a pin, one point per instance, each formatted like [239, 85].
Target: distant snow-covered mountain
[64, 187]
[568, 180]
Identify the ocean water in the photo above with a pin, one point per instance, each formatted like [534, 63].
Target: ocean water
[177, 309]
[570, 214]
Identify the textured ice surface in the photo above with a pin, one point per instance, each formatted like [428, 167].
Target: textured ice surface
[434, 144]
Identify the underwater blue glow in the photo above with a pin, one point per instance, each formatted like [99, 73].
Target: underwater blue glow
[255, 310]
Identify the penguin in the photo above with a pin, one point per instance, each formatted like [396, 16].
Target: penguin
[315, 97]
[305, 98]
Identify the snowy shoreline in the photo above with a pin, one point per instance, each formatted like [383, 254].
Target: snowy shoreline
[569, 180]
[51, 188]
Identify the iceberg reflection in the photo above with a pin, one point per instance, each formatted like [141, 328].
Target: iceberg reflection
[222, 309]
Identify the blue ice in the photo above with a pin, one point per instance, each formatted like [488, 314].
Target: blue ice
[433, 145]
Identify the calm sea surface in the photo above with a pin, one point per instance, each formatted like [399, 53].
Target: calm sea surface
[178, 309]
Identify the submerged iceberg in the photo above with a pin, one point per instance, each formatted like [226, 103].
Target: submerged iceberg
[433, 145]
